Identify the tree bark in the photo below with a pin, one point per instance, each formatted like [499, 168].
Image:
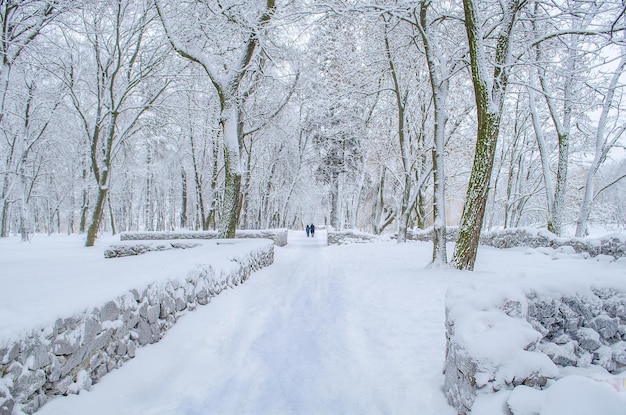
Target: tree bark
[489, 96]
[439, 86]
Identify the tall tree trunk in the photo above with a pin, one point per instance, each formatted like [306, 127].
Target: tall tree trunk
[439, 86]
[232, 170]
[489, 96]
[184, 199]
[334, 200]
[25, 225]
[405, 208]
[602, 146]
[96, 216]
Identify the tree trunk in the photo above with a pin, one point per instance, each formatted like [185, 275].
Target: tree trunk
[489, 103]
[185, 199]
[334, 200]
[96, 217]
[232, 173]
[602, 146]
[439, 87]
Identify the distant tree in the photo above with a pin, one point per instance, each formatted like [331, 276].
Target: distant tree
[21, 22]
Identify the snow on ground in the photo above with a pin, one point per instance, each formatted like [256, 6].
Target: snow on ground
[339, 329]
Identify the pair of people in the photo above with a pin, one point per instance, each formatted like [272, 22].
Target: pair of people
[310, 229]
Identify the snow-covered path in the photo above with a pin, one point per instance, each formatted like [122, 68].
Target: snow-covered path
[321, 331]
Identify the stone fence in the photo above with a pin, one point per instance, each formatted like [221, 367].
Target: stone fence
[526, 337]
[348, 236]
[610, 246]
[279, 236]
[77, 351]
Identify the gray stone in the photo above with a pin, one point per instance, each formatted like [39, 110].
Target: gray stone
[571, 325]
[168, 306]
[588, 339]
[181, 304]
[100, 342]
[153, 313]
[39, 357]
[100, 372]
[143, 311]
[120, 348]
[136, 295]
[28, 383]
[144, 332]
[9, 354]
[619, 352]
[91, 330]
[14, 369]
[605, 326]
[132, 348]
[54, 370]
[110, 312]
[62, 386]
[73, 361]
[65, 345]
[6, 406]
[132, 321]
[603, 356]
[563, 361]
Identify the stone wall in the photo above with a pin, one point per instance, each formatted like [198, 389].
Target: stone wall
[537, 333]
[348, 236]
[612, 245]
[138, 248]
[79, 350]
[279, 236]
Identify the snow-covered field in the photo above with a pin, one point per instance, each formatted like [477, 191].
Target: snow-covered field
[353, 329]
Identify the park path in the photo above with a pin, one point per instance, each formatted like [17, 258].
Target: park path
[324, 330]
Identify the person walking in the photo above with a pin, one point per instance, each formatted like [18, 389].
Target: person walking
[312, 230]
[308, 229]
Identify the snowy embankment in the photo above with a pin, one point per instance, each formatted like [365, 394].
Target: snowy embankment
[69, 316]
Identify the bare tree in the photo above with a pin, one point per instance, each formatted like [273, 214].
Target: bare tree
[229, 83]
[606, 135]
[124, 58]
[20, 24]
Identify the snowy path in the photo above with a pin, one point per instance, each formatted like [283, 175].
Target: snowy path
[323, 330]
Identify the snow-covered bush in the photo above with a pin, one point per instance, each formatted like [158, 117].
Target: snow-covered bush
[78, 350]
[504, 338]
[279, 236]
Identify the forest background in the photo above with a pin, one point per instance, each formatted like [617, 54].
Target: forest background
[385, 115]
